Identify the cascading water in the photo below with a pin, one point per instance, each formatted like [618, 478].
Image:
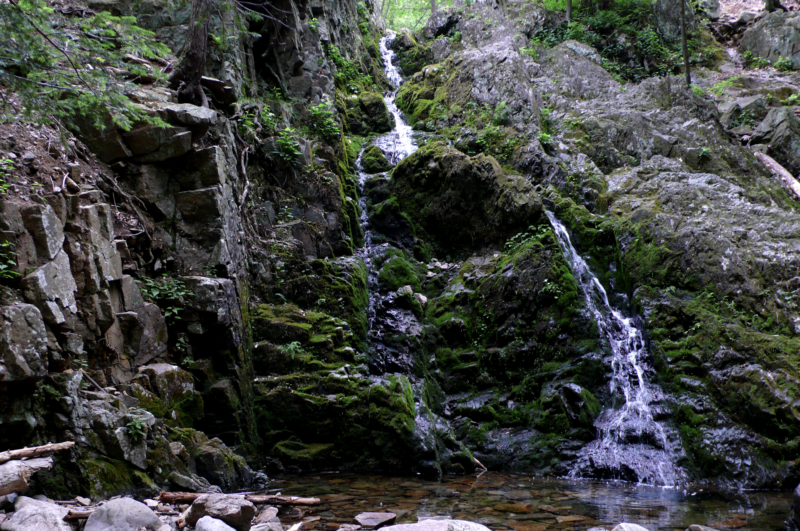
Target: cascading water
[396, 145]
[631, 443]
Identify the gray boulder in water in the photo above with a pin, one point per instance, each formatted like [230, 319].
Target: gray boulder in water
[438, 525]
[123, 514]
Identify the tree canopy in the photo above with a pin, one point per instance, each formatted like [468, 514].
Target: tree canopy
[62, 62]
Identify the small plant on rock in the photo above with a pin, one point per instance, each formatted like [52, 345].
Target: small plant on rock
[8, 264]
[168, 292]
[292, 350]
[323, 123]
[136, 427]
[288, 148]
[784, 64]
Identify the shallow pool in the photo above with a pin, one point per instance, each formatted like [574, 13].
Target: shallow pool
[511, 501]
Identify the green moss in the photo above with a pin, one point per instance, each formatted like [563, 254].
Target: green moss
[106, 477]
[374, 161]
[396, 270]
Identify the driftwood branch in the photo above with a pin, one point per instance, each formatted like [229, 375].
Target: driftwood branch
[14, 475]
[35, 451]
[189, 497]
[780, 171]
[78, 514]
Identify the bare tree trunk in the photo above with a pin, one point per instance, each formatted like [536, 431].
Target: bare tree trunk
[186, 77]
[35, 451]
[773, 5]
[569, 10]
[684, 44]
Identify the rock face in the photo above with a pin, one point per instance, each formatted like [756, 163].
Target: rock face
[207, 523]
[367, 112]
[463, 202]
[23, 343]
[774, 37]
[123, 514]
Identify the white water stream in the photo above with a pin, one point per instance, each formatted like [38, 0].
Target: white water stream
[631, 443]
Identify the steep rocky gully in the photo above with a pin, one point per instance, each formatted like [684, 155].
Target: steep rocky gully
[515, 259]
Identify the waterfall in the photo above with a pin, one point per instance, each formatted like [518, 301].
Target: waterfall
[631, 443]
[396, 145]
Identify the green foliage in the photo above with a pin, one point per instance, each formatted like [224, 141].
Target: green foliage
[412, 14]
[792, 100]
[348, 73]
[6, 166]
[743, 117]
[720, 87]
[323, 123]
[753, 61]
[313, 24]
[292, 350]
[288, 148]
[629, 45]
[500, 113]
[8, 264]
[545, 139]
[61, 66]
[136, 427]
[520, 240]
[784, 64]
[168, 292]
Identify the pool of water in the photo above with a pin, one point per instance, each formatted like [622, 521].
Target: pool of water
[510, 501]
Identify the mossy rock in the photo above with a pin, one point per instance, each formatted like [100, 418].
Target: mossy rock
[367, 113]
[463, 203]
[323, 419]
[374, 161]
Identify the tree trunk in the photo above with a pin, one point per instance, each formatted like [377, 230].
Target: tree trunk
[14, 475]
[433, 7]
[569, 10]
[684, 44]
[186, 77]
[34, 451]
[773, 5]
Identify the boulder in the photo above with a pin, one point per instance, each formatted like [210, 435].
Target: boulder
[35, 515]
[438, 525]
[52, 289]
[749, 110]
[464, 203]
[697, 527]
[207, 523]
[149, 143]
[274, 525]
[367, 113]
[43, 224]
[375, 520]
[775, 36]
[780, 133]
[144, 332]
[629, 527]
[667, 18]
[123, 514]
[374, 161]
[23, 343]
[232, 509]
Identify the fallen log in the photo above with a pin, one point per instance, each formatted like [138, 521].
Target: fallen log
[176, 498]
[282, 500]
[779, 171]
[34, 451]
[78, 514]
[14, 475]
